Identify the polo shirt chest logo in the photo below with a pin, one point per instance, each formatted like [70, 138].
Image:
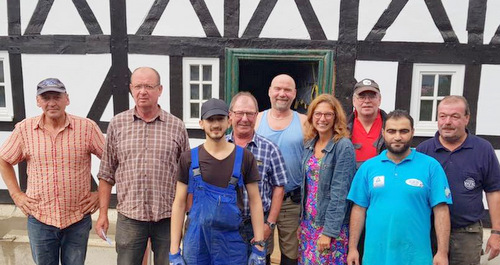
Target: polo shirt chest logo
[378, 181]
[415, 183]
[469, 183]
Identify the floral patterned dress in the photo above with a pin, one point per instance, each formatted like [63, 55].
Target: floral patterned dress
[310, 232]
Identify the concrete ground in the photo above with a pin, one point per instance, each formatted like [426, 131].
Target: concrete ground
[15, 249]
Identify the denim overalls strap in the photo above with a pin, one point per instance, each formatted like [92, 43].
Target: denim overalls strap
[194, 169]
[212, 235]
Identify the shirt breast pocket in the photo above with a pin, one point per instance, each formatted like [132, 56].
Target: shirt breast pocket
[470, 181]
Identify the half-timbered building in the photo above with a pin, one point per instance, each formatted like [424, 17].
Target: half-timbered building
[417, 50]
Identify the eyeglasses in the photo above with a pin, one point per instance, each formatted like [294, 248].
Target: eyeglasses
[370, 96]
[328, 115]
[240, 114]
[147, 87]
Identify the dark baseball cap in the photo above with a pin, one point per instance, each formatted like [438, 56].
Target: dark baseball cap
[213, 107]
[366, 85]
[50, 84]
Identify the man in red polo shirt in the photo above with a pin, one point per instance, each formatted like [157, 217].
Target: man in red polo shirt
[365, 123]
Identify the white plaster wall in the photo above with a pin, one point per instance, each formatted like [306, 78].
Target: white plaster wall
[414, 23]
[285, 22]
[385, 74]
[179, 19]
[457, 13]
[102, 14]
[488, 121]
[246, 11]
[492, 20]
[369, 13]
[63, 18]
[136, 13]
[81, 74]
[3, 19]
[216, 8]
[328, 13]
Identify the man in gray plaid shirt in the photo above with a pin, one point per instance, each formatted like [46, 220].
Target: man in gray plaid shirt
[243, 112]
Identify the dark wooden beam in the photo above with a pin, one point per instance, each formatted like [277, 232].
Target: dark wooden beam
[231, 18]
[119, 56]
[441, 20]
[259, 18]
[386, 19]
[14, 17]
[39, 17]
[472, 81]
[88, 17]
[345, 53]
[403, 85]
[207, 22]
[154, 15]
[476, 18]
[176, 95]
[102, 98]
[310, 20]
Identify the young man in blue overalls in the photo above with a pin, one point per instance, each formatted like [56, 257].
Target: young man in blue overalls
[214, 174]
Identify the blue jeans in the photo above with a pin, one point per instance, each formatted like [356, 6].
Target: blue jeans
[132, 239]
[48, 241]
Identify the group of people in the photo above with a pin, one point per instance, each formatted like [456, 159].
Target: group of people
[339, 190]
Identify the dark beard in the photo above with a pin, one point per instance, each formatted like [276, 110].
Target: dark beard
[398, 151]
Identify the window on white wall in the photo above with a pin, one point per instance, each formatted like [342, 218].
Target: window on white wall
[6, 112]
[431, 83]
[200, 78]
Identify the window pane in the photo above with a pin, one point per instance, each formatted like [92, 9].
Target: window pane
[426, 110]
[427, 85]
[195, 110]
[444, 85]
[207, 73]
[195, 91]
[207, 91]
[1, 72]
[195, 72]
[2, 97]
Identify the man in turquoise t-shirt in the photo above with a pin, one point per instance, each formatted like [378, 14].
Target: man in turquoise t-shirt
[396, 191]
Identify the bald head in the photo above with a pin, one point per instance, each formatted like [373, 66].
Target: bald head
[282, 92]
[146, 70]
[283, 78]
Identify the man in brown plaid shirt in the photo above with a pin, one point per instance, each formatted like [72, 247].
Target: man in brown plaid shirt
[142, 149]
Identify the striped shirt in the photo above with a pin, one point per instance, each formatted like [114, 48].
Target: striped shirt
[141, 158]
[58, 166]
[271, 167]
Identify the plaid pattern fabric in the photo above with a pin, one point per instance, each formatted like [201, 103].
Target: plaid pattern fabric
[271, 166]
[141, 158]
[58, 168]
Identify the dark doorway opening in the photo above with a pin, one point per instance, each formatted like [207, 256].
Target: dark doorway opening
[255, 76]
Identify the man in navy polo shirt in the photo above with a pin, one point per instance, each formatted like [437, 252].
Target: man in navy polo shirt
[396, 192]
[472, 167]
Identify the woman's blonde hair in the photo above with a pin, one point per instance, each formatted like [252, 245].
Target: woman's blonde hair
[339, 124]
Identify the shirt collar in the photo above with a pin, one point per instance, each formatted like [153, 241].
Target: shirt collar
[159, 116]
[466, 144]
[255, 140]
[409, 157]
[68, 121]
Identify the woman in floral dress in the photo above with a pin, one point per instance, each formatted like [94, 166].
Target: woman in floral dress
[329, 166]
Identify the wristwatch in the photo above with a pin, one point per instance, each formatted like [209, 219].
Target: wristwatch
[270, 224]
[261, 243]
